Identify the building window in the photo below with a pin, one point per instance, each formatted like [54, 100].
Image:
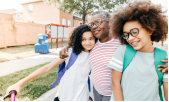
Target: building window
[69, 23]
[63, 22]
[30, 8]
[18, 15]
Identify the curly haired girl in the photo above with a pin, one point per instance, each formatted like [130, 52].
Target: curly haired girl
[138, 24]
[73, 85]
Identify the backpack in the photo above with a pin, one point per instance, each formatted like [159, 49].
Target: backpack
[63, 68]
[159, 55]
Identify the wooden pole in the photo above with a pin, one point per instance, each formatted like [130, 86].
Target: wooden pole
[4, 37]
[56, 43]
[57, 39]
[51, 43]
[62, 36]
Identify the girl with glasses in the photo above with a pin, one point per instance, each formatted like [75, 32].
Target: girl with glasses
[138, 24]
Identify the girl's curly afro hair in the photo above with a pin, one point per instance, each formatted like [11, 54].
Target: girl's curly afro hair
[76, 38]
[150, 16]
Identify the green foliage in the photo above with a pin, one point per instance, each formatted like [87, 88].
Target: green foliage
[84, 7]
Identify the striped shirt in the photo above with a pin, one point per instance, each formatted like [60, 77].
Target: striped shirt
[99, 58]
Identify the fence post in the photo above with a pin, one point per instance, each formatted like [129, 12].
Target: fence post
[4, 37]
[27, 35]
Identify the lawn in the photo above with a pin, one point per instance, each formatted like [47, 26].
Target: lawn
[32, 89]
[25, 48]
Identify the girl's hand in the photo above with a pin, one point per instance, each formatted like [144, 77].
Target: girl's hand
[163, 68]
[14, 87]
[63, 53]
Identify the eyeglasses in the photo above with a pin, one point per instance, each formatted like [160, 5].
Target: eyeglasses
[133, 32]
[97, 23]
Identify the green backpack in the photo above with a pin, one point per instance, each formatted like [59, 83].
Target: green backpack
[159, 55]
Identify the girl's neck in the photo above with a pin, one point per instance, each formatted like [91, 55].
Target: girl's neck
[147, 48]
[85, 50]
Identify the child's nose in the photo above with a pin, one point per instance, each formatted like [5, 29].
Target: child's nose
[130, 37]
[87, 41]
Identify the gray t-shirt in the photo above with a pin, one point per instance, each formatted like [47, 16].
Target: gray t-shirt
[139, 80]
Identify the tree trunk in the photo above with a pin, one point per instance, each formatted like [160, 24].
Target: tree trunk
[83, 18]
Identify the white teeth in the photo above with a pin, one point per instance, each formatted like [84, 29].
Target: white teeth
[134, 43]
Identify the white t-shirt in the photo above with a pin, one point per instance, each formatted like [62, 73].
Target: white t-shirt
[74, 83]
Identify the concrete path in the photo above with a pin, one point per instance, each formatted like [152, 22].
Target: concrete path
[20, 64]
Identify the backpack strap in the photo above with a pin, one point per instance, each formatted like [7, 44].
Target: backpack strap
[89, 82]
[159, 55]
[128, 56]
[72, 59]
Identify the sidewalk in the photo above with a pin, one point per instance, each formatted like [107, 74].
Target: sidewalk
[20, 64]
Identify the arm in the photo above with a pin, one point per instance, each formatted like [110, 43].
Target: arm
[165, 86]
[117, 91]
[64, 53]
[163, 68]
[35, 74]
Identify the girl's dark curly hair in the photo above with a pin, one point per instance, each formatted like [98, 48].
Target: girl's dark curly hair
[150, 16]
[76, 38]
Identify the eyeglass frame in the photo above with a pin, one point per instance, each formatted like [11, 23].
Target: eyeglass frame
[130, 33]
[94, 23]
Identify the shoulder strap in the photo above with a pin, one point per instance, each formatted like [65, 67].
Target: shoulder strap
[128, 56]
[89, 82]
[159, 55]
[72, 59]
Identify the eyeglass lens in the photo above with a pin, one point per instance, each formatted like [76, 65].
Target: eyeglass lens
[133, 32]
[96, 23]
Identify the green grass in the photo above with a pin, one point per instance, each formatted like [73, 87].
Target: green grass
[32, 89]
[25, 48]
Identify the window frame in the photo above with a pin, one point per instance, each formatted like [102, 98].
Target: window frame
[69, 23]
[30, 9]
[63, 21]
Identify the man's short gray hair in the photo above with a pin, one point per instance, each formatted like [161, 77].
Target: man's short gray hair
[105, 14]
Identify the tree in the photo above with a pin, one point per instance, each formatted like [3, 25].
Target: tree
[84, 7]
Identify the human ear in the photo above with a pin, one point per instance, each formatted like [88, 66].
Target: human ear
[150, 33]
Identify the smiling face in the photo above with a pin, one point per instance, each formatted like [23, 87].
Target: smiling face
[102, 31]
[88, 41]
[141, 42]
